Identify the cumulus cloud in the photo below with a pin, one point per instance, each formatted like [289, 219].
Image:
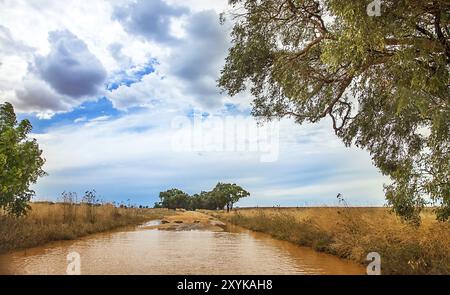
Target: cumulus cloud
[141, 94]
[149, 19]
[70, 68]
[189, 72]
[203, 49]
[198, 59]
[36, 95]
[57, 82]
[187, 68]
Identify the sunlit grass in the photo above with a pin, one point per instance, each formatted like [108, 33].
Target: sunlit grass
[354, 232]
[58, 221]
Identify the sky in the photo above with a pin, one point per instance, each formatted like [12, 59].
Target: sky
[123, 99]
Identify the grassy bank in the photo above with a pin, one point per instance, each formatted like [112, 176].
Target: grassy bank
[352, 233]
[58, 221]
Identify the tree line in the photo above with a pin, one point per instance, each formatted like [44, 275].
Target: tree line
[223, 195]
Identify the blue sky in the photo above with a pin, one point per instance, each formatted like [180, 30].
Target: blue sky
[110, 86]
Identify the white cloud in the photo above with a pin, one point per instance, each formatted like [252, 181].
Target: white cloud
[119, 34]
[149, 19]
[191, 64]
[135, 152]
[26, 25]
[80, 119]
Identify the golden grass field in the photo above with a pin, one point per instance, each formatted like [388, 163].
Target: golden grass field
[59, 221]
[352, 233]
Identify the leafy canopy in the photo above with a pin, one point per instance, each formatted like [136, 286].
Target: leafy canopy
[223, 195]
[20, 162]
[228, 194]
[174, 198]
[383, 81]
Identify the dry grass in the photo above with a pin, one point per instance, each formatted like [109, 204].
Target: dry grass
[59, 221]
[354, 232]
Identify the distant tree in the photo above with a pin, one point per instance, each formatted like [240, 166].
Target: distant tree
[223, 195]
[383, 81]
[204, 200]
[227, 194]
[174, 198]
[195, 202]
[20, 162]
[218, 196]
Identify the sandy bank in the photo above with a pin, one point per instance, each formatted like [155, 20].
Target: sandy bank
[187, 220]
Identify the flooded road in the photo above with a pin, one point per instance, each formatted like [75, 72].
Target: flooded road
[142, 250]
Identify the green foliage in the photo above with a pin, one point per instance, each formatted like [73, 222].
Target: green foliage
[223, 195]
[228, 194]
[174, 198]
[383, 81]
[20, 162]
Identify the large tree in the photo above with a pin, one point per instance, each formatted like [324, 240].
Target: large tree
[20, 162]
[227, 194]
[382, 80]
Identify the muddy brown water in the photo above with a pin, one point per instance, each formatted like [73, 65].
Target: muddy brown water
[152, 251]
